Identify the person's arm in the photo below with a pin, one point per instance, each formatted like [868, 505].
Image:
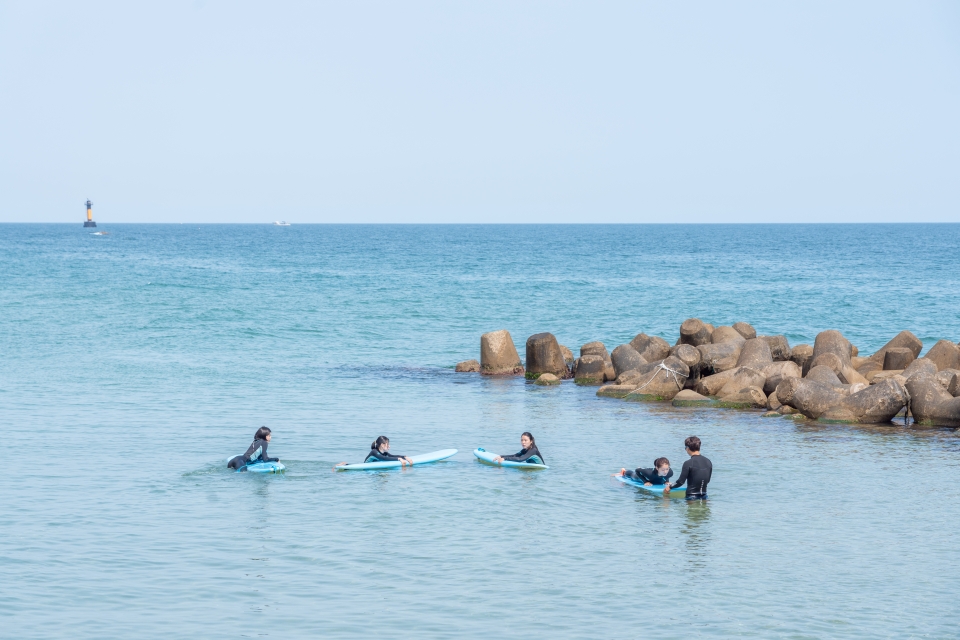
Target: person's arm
[263, 456]
[523, 455]
[683, 476]
[381, 456]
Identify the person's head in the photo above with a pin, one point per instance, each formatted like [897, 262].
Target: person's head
[526, 440]
[662, 465]
[381, 444]
[692, 444]
[263, 433]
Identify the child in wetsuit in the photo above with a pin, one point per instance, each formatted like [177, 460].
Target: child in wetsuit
[659, 474]
[256, 452]
[528, 452]
[379, 452]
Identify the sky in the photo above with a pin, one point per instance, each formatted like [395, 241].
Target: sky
[472, 112]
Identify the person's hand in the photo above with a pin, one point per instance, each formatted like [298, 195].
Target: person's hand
[623, 472]
[666, 488]
[648, 484]
[498, 459]
[339, 464]
[409, 461]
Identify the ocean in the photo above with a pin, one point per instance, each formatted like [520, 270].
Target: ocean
[133, 364]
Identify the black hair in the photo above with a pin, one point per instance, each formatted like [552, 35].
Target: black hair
[261, 433]
[533, 442]
[379, 441]
[692, 443]
[659, 462]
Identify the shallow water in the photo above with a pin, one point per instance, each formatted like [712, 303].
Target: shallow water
[135, 363]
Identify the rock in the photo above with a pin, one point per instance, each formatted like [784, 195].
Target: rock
[689, 355]
[690, 398]
[831, 341]
[626, 358]
[787, 410]
[920, 365]
[743, 377]
[877, 376]
[547, 379]
[809, 397]
[802, 354]
[709, 327]
[726, 334]
[715, 358]
[629, 377]
[594, 349]
[945, 355]
[744, 329]
[609, 373]
[755, 354]
[694, 332]
[498, 355]
[711, 385]
[544, 356]
[953, 387]
[872, 405]
[651, 348]
[468, 366]
[902, 339]
[830, 360]
[775, 372]
[567, 355]
[868, 366]
[590, 370]
[849, 375]
[615, 390]
[823, 375]
[779, 347]
[897, 358]
[746, 398]
[856, 361]
[773, 403]
[854, 350]
[661, 381]
[770, 414]
[945, 377]
[930, 404]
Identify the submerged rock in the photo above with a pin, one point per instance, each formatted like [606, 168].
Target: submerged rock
[590, 370]
[751, 397]
[498, 355]
[615, 390]
[468, 366]
[547, 380]
[544, 356]
[690, 398]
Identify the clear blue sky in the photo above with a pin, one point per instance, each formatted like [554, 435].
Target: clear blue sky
[486, 111]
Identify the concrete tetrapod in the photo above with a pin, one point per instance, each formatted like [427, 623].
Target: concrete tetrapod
[930, 404]
[468, 366]
[498, 355]
[694, 332]
[775, 372]
[902, 339]
[779, 347]
[742, 378]
[661, 381]
[824, 375]
[897, 358]
[832, 341]
[755, 354]
[544, 356]
[690, 398]
[590, 370]
[802, 354]
[626, 358]
[945, 355]
[715, 358]
[650, 348]
[726, 334]
[746, 330]
[875, 404]
[809, 397]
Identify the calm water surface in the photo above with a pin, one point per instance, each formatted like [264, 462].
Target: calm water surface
[134, 364]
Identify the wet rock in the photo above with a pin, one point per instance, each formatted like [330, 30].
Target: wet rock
[902, 339]
[626, 358]
[609, 373]
[945, 355]
[802, 354]
[809, 397]
[468, 366]
[770, 414]
[743, 377]
[694, 332]
[615, 390]
[832, 341]
[745, 398]
[590, 370]
[547, 380]
[775, 372]
[726, 334]
[660, 382]
[544, 356]
[875, 404]
[567, 355]
[787, 410]
[831, 360]
[930, 404]
[823, 375]
[897, 358]
[744, 329]
[711, 385]
[651, 348]
[773, 403]
[498, 355]
[715, 358]
[755, 354]
[779, 347]
[690, 398]
[920, 365]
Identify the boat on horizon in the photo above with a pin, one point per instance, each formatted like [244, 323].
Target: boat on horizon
[281, 223]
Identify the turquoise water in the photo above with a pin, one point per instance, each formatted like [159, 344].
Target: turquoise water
[134, 364]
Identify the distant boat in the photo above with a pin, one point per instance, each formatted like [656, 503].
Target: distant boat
[281, 223]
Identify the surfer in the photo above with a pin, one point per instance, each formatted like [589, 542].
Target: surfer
[256, 452]
[696, 471]
[528, 452]
[659, 474]
[379, 452]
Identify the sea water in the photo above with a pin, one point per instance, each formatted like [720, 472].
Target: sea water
[133, 364]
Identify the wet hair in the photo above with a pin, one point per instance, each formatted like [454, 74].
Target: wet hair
[261, 433]
[533, 442]
[379, 441]
[659, 462]
[692, 443]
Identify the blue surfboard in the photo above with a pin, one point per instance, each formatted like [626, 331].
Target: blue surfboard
[261, 467]
[423, 458]
[487, 458]
[657, 489]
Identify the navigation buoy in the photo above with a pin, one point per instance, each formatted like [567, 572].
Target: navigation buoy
[89, 222]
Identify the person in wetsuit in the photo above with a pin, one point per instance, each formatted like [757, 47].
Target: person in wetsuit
[696, 472]
[256, 452]
[528, 452]
[659, 474]
[380, 452]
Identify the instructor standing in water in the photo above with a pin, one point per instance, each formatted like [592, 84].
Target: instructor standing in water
[696, 472]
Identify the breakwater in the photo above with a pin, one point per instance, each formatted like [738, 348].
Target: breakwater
[730, 366]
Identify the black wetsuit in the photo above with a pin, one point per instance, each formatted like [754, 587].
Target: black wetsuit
[696, 473]
[649, 475]
[376, 455]
[531, 455]
[256, 452]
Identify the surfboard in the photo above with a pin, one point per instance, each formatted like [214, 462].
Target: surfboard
[657, 489]
[487, 458]
[261, 467]
[423, 458]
